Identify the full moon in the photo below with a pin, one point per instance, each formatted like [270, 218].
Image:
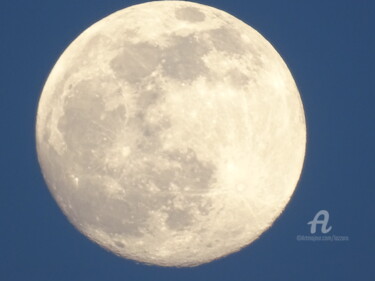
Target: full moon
[171, 133]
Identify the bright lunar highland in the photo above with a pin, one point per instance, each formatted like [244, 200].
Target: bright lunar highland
[171, 133]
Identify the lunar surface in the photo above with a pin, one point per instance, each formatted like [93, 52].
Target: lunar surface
[171, 133]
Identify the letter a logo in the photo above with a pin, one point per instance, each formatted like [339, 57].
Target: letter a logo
[323, 222]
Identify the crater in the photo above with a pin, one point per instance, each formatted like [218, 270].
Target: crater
[190, 14]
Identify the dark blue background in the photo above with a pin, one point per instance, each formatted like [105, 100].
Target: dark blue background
[329, 47]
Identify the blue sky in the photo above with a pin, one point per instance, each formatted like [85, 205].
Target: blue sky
[329, 47]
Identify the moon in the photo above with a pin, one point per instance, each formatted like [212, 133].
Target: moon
[171, 133]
